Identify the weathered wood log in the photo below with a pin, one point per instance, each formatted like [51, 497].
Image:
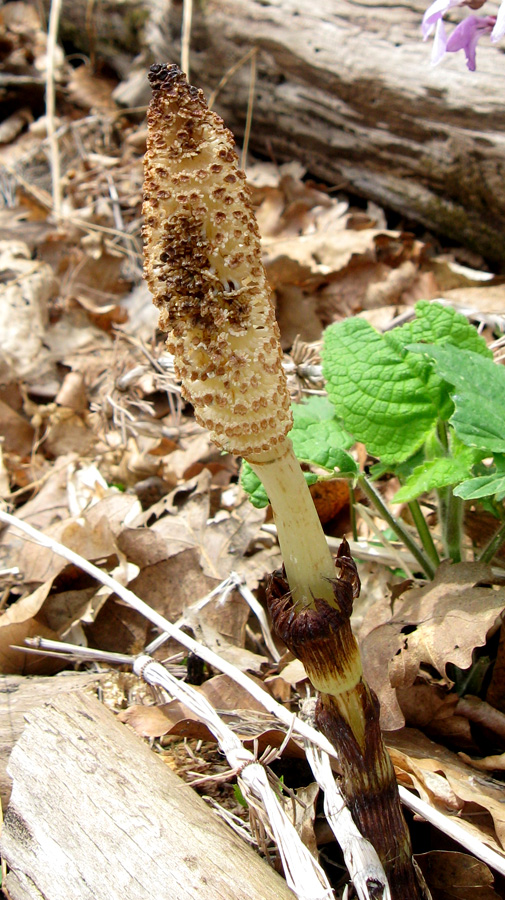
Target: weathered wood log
[18, 695]
[95, 815]
[348, 89]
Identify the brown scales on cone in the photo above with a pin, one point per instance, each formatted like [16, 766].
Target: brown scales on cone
[204, 269]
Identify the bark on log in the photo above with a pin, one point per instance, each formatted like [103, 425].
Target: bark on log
[347, 88]
[95, 815]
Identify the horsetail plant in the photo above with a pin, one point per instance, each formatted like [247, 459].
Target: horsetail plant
[203, 267]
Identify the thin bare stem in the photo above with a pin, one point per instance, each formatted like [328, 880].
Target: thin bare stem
[494, 545]
[187, 16]
[352, 509]
[229, 74]
[250, 105]
[52, 35]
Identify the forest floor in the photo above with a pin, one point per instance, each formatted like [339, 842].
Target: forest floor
[100, 452]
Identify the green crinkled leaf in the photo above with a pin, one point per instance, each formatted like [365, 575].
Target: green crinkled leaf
[477, 393]
[382, 400]
[317, 438]
[484, 486]
[254, 488]
[401, 470]
[434, 473]
[438, 324]
[317, 435]
[439, 470]
[385, 398]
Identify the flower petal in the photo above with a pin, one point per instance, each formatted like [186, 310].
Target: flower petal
[435, 12]
[499, 28]
[466, 35]
[439, 43]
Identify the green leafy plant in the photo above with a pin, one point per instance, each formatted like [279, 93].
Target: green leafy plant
[423, 398]
[318, 439]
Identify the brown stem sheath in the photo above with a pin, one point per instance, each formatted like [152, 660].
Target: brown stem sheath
[348, 715]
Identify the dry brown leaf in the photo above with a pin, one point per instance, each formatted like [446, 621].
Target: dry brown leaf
[226, 539]
[39, 564]
[487, 764]
[67, 432]
[20, 621]
[116, 507]
[188, 452]
[224, 694]
[91, 91]
[72, 393]
[175, 719]
[484, 715]
[17, 433]
[226, 618]
[431, 626]
[302, 814]
[150, 721]
[320, 252]
[49, 505]
[170, 585]
[444, 780]
[456, 876]
[330, 498]
[431, 708]
[294, 673]
[496, 691]
[297, 315]
[486, 300]
[221, 628]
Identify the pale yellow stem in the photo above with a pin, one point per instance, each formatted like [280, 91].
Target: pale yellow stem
[306, 555]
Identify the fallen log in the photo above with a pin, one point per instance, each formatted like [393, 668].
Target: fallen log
[21, 693]
[347, 88]
[95, 814]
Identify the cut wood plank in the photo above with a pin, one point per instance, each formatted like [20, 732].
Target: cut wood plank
[95, 815]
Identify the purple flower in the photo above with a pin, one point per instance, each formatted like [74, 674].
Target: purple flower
[435, 12]
[439, 43]
[466, 34]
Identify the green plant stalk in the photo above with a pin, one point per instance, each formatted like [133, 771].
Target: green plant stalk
[376, 499]
[450, 508]
[492, 547]
[352, 508]
[424, 532]
[451, 521]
